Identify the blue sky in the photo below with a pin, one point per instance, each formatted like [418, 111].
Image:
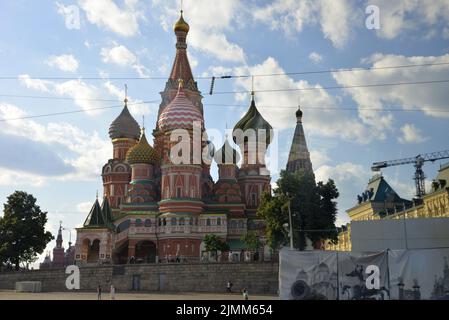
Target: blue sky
[58, 159]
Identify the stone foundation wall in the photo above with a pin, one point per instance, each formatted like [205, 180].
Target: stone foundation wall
[258, 278]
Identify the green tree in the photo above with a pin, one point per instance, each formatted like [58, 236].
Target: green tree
[214, 244]
[252, 240]
[312, 206]
[22, 230]
[273, 210]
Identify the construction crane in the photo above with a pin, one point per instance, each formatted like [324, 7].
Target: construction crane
[418, 163]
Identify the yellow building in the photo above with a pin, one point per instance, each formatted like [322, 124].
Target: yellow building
[380, 201]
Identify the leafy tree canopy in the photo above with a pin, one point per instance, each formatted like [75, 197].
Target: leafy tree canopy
[22, 230]
[213, 243]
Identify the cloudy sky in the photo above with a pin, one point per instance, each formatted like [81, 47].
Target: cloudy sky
[47, 57]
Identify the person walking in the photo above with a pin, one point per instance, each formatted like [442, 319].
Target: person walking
[245, 294]
[99, 292]
[112, 292]
[229, 287]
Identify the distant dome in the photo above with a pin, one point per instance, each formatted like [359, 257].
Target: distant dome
[180, 113]
[124, 126]
[181, 25]
[142, 152]
[226, 154]
[298, 113]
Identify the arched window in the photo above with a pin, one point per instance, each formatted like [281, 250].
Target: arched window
[138, 222]
[164, 222]
[208, 222]
[147, 223]
[182, 222]
[190, 221]
[240, 224]
[173, 221]
[218, 221]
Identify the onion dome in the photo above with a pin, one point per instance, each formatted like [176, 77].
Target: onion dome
[254, 120]
[142, 152]
[181, 25]
[180, 113]
[226, 154]
[124, 126]
[299, 113]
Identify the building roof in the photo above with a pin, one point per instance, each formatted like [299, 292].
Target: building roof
[378, 190]
[124, 126]
[95, 216]
[253, 120]
[299, 157]
[142, 152]
[180, 113]
[181, 25]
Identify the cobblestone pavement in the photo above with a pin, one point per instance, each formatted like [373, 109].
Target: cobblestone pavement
[12, 295]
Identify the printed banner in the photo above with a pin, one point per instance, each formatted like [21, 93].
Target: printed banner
[363, 276]
[307, 275]
[420, 274]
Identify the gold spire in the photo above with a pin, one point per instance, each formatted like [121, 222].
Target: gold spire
[181, 25]
[180, 83]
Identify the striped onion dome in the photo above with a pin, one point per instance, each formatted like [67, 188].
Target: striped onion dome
[142, 152]
[180, 113]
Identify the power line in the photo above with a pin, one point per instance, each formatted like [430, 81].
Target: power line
[353, 69]
[246, 91]
[328, 108]
[72, 112]
[340, 87]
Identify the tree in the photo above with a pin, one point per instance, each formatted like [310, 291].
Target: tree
[273, 210]
[214, 244]
[22, 230]
[252, 240]
[312, 206]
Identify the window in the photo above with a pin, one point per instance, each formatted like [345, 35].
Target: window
[253, 199]
[182, 222]
[208, 222]
[147, 223]
[173, 221]
[138, 222]
[178, 192]
[190, 221]
[218, 221]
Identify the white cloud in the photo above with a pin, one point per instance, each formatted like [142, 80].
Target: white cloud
[411, 134]
[123, 21]
[88, 152]
[85, 95]
[424, 97]
[10, 178]
[397, 17]
[65, 62]
[317, 121]
[84, 207]
[123, 57]
[318, 157]
[315, 57]
[336, 18]
[35, 84]
[344, 172]
[136, 107]
[208, 22]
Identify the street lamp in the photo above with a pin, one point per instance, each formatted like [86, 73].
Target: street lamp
[290, 221]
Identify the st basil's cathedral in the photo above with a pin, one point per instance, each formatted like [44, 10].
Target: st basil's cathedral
[155, 210]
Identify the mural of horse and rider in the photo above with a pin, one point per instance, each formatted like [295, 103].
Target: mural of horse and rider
[330, 275]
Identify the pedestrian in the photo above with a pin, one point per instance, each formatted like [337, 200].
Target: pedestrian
[245, 294]
[229, 287]
[112, 292]
[99, 292]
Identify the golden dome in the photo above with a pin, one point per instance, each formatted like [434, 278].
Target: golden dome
[181, 25]
[142, 152]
